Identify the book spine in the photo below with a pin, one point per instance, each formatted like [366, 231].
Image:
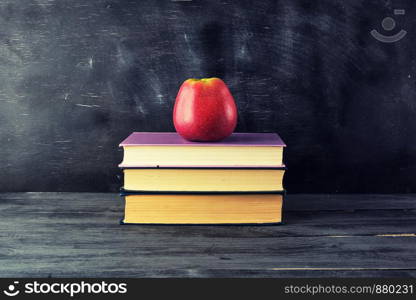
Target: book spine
[124, 192]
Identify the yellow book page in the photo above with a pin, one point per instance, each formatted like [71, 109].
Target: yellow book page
[203, 179]
[203, 209]
[202, 156]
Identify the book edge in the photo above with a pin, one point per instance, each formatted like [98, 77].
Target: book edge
[124, 192]
[205, 144]
[202, 224]
[281, 167]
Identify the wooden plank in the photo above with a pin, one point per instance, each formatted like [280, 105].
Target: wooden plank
[293, 202]
[349, 201]
[39, 210]
[72, 253]
[66, 234]
[325, 223]
[94, 272]
[297, 273]
[39, 214]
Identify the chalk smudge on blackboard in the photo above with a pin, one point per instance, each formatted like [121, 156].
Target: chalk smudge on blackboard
[196, 61]
[87, 105]
[88, 64]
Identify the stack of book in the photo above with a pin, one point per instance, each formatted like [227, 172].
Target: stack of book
[168, 180]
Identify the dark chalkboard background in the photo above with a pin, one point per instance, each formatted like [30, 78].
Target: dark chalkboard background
[76, 77]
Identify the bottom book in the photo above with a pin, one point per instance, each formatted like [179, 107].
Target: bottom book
[203, 208]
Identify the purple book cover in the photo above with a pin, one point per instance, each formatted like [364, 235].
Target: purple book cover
[174, 139]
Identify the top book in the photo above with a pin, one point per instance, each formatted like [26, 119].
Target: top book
[168, 149]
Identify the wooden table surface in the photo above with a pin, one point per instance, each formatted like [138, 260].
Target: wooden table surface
[78, 235]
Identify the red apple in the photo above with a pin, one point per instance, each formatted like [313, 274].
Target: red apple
[204, 110]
